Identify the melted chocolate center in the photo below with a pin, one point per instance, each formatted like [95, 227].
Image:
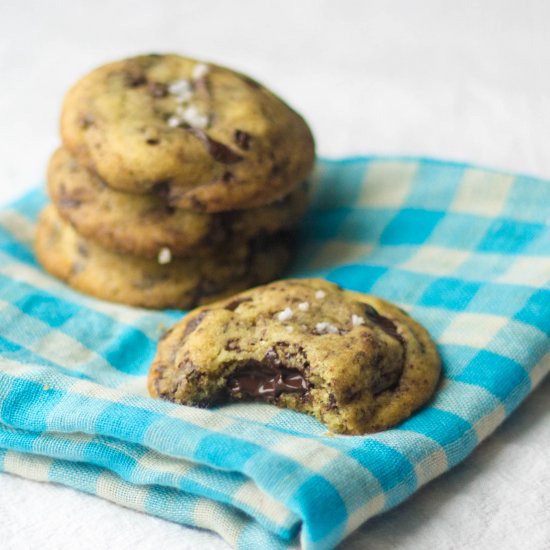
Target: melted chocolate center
[255, 380]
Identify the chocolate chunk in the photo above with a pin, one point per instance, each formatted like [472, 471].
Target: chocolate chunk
[232, 306]
[157, 89]
[232, 345]
[220, 152]
[255, 380]
[387, 325]
[86, 121]
[386, 381]
[227, 177]
[242, 139]
[134, 77]
[194, 323]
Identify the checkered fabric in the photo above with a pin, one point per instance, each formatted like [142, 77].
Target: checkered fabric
[465, 251]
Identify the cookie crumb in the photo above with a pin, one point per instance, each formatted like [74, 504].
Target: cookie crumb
[320, 294]
[165, 256]
[326, 328]
[289, 328]
[357, 320]
[303, 306]
[200, 70]
[45, 387]
[284, 315]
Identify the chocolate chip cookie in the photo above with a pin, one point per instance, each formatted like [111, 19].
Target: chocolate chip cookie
[178, 284]
[201, 136]
[355, 362]
[144, 225]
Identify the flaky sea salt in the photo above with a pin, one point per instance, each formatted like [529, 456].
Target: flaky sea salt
[320, 294]
[174, 121]
[326, 328]
[194, 117]
[180, 88]
[357, 320]
[165, 256]
[304, 306]
[284, 315]
[199, 70]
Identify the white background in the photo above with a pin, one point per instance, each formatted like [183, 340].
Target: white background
[466, 80]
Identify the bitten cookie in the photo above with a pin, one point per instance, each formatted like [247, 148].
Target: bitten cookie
[178, 284]
[202, 136]
[355, 362]
[144, 225]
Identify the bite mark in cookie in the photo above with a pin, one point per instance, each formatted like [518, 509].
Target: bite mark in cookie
[354, 361]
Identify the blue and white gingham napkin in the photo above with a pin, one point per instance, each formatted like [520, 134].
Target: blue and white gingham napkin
[465, 251]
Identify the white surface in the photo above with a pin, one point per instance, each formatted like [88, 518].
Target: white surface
[463, 80]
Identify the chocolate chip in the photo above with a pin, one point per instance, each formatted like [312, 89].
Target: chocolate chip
[385, 381]
[134, 77]
[370, 312]
[387, 325]
[272, 357]
[86, 121]
[242, 139]
[252, 379]
[220, 152]
[232, 345]
[227, 177]
[331, 402]
[233, 305]
[194, 323]
[152, 141]
[157, 89]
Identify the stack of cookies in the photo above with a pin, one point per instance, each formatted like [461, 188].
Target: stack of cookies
[177, 183]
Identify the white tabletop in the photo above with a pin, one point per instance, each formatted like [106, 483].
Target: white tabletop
[465, 80]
